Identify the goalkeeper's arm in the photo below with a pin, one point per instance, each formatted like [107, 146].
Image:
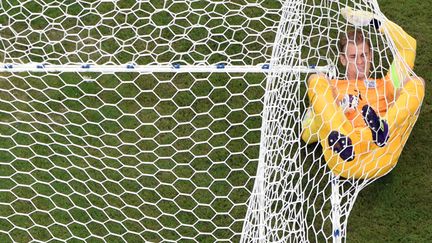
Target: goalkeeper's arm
[406, 46]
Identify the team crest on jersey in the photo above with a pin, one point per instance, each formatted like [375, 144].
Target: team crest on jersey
[370, 84]
[349, 102]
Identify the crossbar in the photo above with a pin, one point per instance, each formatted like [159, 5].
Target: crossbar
[175, 68]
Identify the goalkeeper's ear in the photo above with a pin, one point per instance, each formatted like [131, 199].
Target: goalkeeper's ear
[342, 58]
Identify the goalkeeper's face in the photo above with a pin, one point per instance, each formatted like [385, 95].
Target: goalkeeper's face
[357, 60]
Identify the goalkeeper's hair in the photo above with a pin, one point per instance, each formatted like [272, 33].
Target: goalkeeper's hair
[352, 37]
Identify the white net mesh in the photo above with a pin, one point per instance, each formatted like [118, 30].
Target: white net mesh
[180, 120]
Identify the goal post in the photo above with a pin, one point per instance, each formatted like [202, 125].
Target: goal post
[167, 121]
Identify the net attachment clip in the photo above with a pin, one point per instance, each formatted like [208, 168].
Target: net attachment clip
[220, 66]
[176, 66]
[131, 66]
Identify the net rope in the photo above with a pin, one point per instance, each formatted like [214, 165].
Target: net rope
[177, 120]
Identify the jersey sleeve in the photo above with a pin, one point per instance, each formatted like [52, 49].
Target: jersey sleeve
[406, 47]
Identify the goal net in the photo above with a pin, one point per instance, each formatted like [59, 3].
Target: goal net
[177, 120]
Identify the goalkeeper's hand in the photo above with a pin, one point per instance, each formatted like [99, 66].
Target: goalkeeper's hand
[359, 17]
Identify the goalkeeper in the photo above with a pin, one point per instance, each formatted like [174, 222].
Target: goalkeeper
[363, 123]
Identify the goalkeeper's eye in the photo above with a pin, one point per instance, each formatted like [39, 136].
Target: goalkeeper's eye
[352, 57]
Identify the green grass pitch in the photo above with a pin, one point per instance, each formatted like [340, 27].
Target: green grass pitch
[396, 208]
[55, 201]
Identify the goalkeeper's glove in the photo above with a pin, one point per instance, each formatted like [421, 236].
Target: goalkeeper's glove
[360, 17]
